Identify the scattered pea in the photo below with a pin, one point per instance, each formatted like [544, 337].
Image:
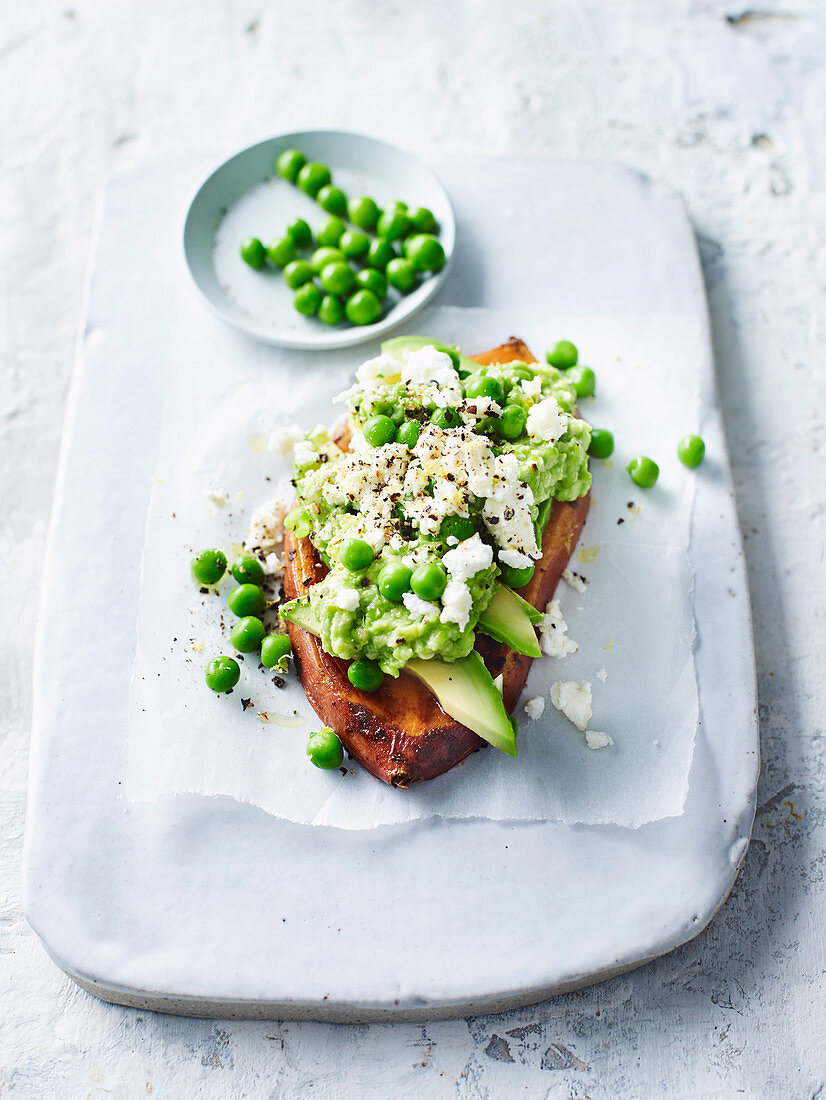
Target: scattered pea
[644, 471]
[408, 433]
[401, 274]
[289, 163]
[362, 211]
[602, 443]
[337, 278]
[365, 675]
[380, 253]
[299, 521]
[297, 273]
[429, 581]
[485, 386]
[247, 599]
[275, 651]
[324, 750]
[393, 223]
[425, 251]
[300, 232]
[512, 421]
[222, 673]
[247, 569]
[353, 242]
[457, 527]
[370, 278]
[209, 566]
[331, 310]
[253, 252]
[563, 355]
[363, 308]
[333, 200]
[583, 380]
[307, 299]
[281, 251]
[423, 220]
[516, 578]
[331, 232]
[446, 417]
[379, 430]
[691, 451]
[323, 256]
[312, 177]
[355, 554]
[247, 634]
[394, 581]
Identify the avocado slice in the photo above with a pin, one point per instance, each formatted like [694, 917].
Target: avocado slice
[466, 691]
[400, 346]
[301, 614]
[507, 620]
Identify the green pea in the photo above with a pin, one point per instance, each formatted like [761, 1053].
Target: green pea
[355, 554]
[425, 252]
[423, 220]
[275, 650]
[331, 232]
[323, 256]
[365, 675]
[401, 274]
[512, 421]
[393, 223]
[307, 299]
[331, 310]
[379, 430]
[446, 417]
[400, 205]
[370, 278]
[644, 471]
[408, 433]
[457, 527]
[247, 569]
[353, 242]
[208, 567]
[363, 308]
[289, 163]
[394, 581]
[380, 253]
[324, 750]
[516, 578]
[602, 443]
[429, 581]
[563, 355]
[362, 211]
[297, 273]
[281, 251]
[337, 278]
[300, 233]
[490, 426]
[691, 451]
[485, 386]
[583, 380]
[222, 673]
[333, 200]
[247, 634]
[253, 252]
[300, 522]
[247, 599]
[312, 177]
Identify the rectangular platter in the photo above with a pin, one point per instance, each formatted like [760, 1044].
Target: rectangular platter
[211, 906]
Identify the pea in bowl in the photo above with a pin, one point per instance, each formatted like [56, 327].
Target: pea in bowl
[319, 239]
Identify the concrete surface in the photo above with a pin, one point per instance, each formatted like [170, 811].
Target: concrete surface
[724, 102]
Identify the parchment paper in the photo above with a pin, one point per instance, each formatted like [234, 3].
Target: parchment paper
[634, 620]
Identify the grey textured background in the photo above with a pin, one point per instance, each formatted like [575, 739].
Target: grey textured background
[723, 102]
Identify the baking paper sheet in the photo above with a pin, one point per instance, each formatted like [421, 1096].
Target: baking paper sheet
[634, 620]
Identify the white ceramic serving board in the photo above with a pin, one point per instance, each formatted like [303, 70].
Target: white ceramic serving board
[210, 906]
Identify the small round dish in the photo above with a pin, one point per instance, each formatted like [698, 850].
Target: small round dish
[244, 197]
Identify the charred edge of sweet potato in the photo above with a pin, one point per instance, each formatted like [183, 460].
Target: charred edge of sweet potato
[370, 725]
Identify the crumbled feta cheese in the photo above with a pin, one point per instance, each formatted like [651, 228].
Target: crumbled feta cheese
[474, 408]
[344, 597]
[546, 421]
[574, 700]
[534, 707]
[379, 371]
[532, 387]
[305, 453]
[432, 370]
[218, 497]
[515, 559]
[419, 608]
[602, 675]
[468, 558]
[554, 630]
[457, 603]
[272, 565]
[266, 529]
[596, 739]
[499, 683]
[574, 580]
[358, 443]
[284, 438]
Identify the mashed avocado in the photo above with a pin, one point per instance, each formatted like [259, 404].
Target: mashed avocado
[488, 448]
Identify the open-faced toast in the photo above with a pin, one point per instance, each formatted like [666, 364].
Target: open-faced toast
[400, 732]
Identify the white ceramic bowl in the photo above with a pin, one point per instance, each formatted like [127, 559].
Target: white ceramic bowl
[244, 197]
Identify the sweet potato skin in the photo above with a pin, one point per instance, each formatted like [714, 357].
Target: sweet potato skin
[399, 733]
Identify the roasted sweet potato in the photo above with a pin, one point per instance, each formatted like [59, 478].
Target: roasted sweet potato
[400, 733]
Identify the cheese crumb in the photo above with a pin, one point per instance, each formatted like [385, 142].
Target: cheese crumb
[602, 675]
[345, 598]
[419, 608]
[284, 438]
[546, 421]
[574, 700]
[218, 497]
[266, 531]
[574, 580]
[554, 630]
[596, 739]
[534, 707]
